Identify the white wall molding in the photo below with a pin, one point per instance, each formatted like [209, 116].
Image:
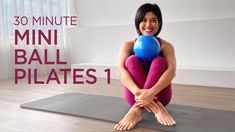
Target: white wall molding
[205, 76]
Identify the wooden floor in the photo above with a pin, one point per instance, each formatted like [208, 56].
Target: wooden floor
[15, 119]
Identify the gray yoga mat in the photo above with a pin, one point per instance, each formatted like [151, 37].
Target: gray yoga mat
[113, 109]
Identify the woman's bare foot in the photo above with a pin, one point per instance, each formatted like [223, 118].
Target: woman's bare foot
[132, 117]
[163, 116]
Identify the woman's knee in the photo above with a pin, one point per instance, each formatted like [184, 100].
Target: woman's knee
[159, 61]
[131, 61]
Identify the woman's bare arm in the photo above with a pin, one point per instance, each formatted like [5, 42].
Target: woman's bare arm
[123, 74]
[169, 74]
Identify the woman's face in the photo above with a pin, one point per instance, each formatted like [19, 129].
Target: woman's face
[149, 25]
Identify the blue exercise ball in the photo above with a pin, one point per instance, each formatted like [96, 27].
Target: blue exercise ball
[146, 48]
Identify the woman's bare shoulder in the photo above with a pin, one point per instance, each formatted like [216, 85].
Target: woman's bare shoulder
[165, 42]
[128, 44]
[166, 45]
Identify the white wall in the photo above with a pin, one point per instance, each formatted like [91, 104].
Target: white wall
[192, 26]
[201, 31]
[98, 44]
[208, 43]
[107, 12]
[122, 12]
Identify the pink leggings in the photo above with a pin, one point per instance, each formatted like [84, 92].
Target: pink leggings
[147, 77]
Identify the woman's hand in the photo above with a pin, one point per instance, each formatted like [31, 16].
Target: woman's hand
[144, 97]
[152, 107]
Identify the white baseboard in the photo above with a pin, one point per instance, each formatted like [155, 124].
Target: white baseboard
[203, 76]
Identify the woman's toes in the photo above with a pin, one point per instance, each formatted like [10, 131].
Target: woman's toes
[116, 126]
[130, 126]
[165, 122]
[121, 127]
[174, 122]
[169, 122]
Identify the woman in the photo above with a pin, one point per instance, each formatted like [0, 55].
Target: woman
[147, 85]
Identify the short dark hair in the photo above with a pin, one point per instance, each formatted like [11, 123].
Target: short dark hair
[142, 10]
